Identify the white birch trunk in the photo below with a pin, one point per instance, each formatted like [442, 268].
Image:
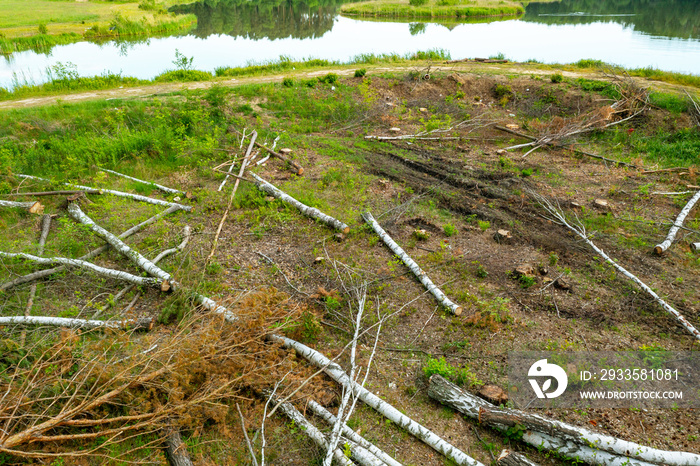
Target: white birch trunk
[146, 323]
[663, 246]
[45, 226]
[695, 246]
[313, 433]
[561, 219]
[361, 455]
[94, 253]
[162, 188]
[352, 435]
[335, 372]
[411, 264]
[135, 197]
[150, 268]
[570, 440]
[303, 208]
[32, 207]
[110, 273]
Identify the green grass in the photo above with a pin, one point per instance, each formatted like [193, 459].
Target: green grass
[40, 25]
[433, 9]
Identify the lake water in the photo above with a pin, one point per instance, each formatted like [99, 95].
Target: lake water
[664, 34]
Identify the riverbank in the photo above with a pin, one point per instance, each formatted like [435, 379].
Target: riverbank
[433, 8]
[39, 25]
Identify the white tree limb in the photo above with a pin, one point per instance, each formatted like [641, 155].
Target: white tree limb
[110, 273]
[313, 433]
[663, 246]
[303, 208]
[32, 207]
[352, 435]
[94, 253]
[134, 256]
[146, 323]
[510, 458]
[135, 197]
[336, 373]
[45, 226]
[162, 188]
[559, 218]
[411, 264]
[695, 246]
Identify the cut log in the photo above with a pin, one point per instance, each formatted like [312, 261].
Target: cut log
[335, 372]
[110, 273]
[165, 189]
[135, 197]
[94, 253]
[695, 246]
[411, 264]
[352, 435]
[510, 458]
[145, 264]
[558, 217]
[175, 449]
[510, 418]
[663, 246]
[303, 208]
[572, 441]
[313, 433]
[32, 207]
[58, 193]
[130, 324]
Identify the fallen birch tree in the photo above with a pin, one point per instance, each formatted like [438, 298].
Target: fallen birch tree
[165, 189]
[558, 217]
[312, 432]
[31, 207]
[303, 208]
[45, 226]
[105, 272]
[33, 321]
[335, 372]
[665, 244]
[94, 253]
[350, 434]
[58, 193]
[136, 197]
[411, 264]
[449, 394]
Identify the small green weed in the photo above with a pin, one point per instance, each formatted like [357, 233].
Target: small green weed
[360, 73]
[449, 229]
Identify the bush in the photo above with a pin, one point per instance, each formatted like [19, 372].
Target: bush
[449, 229]
[439, 366]
[417, 2]
[330, 78]
[557, 78]
[43, 29]
[360, 73]
[288, 82]
[184, 75]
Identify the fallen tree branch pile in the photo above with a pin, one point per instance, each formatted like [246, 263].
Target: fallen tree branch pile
[335, 372]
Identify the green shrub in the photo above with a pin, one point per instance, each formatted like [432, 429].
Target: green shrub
[288, 82]
[360, 73]
[483, 224]
[439, 366]
[449, 229]
[557, 78]
[43, 29]
[330, 78]
[417, 2]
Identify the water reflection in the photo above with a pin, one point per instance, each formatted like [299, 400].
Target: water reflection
[670, 18]
[267, 19]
